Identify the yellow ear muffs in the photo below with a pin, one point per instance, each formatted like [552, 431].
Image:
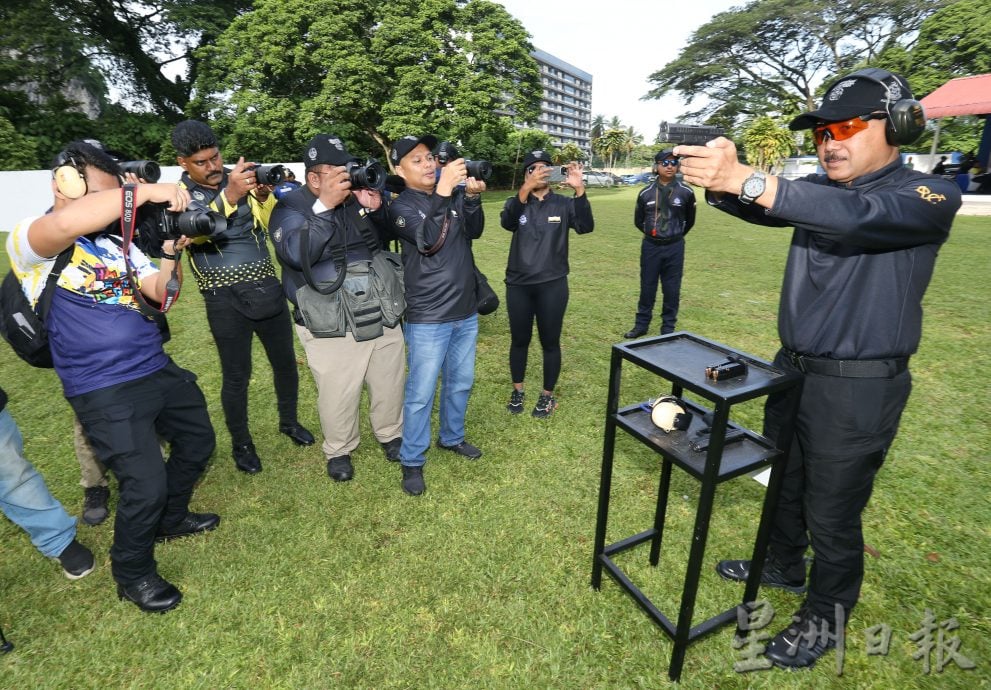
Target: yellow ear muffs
[669, 414]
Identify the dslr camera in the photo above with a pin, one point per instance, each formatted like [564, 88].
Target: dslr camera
[149, 171]
[447, 152]
[197, 220]
[269, 174]
[368, 175]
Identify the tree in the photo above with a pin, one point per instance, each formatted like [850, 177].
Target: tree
[17, 152]
[952, 42]
[767, 142]
[569, 152]
[612, 143]
[771, 55]
[368, 71]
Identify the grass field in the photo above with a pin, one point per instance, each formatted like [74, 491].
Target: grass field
[483, 582]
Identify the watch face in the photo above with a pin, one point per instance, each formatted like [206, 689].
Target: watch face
[753, 186]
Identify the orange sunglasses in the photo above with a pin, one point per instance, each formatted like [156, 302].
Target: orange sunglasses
[838, 131]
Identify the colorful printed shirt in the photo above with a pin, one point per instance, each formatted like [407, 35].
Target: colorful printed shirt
[98, 336]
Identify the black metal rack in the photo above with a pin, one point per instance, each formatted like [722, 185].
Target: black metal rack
[682, 358]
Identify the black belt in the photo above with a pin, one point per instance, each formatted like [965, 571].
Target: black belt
[848, 368]
[663, 240]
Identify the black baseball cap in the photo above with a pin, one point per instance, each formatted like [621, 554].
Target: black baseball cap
[403, 146]
[855, 95]
[664, 153]
[535, 156]
[326, 149]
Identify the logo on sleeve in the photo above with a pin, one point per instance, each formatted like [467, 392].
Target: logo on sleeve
[523, 220]
[554, 219]
[928, 195]
[277, 234]
[400, 222]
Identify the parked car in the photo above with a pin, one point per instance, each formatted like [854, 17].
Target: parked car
[598, 179]
[629, 179]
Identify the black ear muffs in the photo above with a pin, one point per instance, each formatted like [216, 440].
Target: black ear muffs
[68, 176]
[669, 414]
[906, 118]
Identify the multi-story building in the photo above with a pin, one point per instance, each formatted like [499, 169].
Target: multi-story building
[566, 104]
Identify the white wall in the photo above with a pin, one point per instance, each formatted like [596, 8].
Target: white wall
[25, 193]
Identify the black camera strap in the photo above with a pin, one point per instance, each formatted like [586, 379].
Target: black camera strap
[338, 250]
[128, 219]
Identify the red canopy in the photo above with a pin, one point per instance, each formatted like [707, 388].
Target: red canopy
[963, 96]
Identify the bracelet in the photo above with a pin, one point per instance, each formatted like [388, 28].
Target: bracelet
[172, 257]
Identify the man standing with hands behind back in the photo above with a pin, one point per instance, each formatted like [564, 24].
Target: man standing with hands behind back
[866, 237]
[664, 213]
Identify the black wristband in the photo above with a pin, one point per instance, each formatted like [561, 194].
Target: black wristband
[171, 257]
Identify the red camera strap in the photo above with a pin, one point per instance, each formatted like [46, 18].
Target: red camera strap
[128, 220]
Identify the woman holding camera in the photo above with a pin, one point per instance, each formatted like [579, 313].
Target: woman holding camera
[537, 270]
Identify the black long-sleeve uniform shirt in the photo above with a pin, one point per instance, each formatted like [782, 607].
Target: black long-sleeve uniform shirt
[665, 213]
[439, 287]
[860, 261]
[538, 252]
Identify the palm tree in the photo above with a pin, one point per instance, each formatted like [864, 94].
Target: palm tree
[612, 142]
[633, 140]
[598, 127]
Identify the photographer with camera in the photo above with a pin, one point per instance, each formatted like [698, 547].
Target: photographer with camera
[123, 387]
[866, 235]
[664, 213]
[537, 270]
[347, 295]
[237, 279]
[436, 222]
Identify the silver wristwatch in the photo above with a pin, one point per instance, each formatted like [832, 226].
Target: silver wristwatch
[753, 187]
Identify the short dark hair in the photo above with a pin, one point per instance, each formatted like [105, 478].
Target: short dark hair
[190, 136]
[82, 154]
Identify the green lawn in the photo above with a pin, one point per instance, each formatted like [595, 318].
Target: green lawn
[484, 580]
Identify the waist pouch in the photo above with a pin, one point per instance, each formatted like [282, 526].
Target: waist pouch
[258, 299]
[370, 298]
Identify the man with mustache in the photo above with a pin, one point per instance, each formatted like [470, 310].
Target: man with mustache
[866, 237]
[242, 293]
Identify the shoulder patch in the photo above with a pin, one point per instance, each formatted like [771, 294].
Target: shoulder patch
[400, 222]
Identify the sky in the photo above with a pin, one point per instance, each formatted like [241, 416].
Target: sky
[620, 43]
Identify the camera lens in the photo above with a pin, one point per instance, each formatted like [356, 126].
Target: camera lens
[196, 223]
[564, 170]
[371, 175]
[269, 174]
[480, 170]
[149, 171]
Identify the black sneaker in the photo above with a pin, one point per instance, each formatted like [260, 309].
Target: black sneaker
[95, 509]
[464, 449]
[340, 468]
[413, 483]
[772, 575]
[546, 404]
[77, 561]
[392, 448]
[516, 402]
[803, 642]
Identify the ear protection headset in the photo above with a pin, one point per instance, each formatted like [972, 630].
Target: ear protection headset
[68, 175]
[669, 414]
[906, 117]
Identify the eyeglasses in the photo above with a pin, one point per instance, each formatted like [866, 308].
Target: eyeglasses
[668, 162]
[840, 131]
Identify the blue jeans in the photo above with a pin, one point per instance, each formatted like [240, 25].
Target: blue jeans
[25, 499]
[437, 349]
